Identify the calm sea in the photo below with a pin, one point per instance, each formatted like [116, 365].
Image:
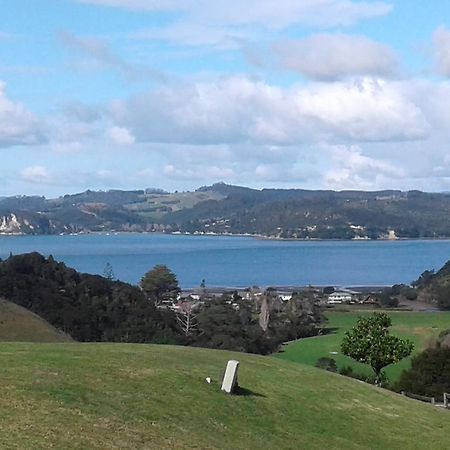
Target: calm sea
[240, 261]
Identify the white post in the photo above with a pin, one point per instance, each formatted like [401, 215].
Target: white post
[230, 377]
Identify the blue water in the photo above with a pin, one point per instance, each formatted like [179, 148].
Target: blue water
[240, 261]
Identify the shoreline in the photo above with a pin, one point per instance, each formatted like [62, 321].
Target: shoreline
[241, 235]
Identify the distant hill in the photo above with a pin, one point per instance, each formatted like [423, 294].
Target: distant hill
[18, 324]
[226, 209]
[146, 396]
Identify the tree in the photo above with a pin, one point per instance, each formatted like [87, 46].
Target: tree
[429, 373]
[369, 342]
[186, 318]
[108, 272]
[160, 284]
[386, 300]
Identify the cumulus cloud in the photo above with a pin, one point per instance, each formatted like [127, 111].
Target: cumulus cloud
[349, 161]
[365, 110]
[441, 40]
[335, 56]
[238, 110]
[18, 126]
[120, 136]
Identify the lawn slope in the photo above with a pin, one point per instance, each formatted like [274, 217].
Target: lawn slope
[419, 327]
[118, 396]
[21, 325]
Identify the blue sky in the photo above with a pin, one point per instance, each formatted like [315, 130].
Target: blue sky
[329, 94]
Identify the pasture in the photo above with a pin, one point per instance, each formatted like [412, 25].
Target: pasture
[419, 327]
[125, 396]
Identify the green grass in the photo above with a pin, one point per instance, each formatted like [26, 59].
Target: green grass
[419, 327]
[114, 396]
[21, 325]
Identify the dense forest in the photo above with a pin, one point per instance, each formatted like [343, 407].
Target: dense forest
[92, 308]
[221, 208]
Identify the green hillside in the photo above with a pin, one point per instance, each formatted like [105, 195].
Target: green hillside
[21, 325]
[221, 208]
[419, 327]
[119, 396]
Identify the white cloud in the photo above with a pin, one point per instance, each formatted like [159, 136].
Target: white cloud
[64, 177]
[36, 174]
[100, 55]
[351, 169]
[120, 136]
[188, 34]
[267, 13]
[174, 172]
[365, 110]
[335, 56]
[441, 40]
[18, 126]
[137, 5]
[239, 110]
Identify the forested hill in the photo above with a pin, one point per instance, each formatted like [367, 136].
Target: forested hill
[94, 308]
[221, 208]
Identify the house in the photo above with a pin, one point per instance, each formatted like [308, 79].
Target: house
[339, 297]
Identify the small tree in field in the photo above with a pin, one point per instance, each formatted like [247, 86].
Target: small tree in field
[369, 342]
[160, 284]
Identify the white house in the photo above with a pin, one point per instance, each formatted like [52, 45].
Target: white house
[339, 297]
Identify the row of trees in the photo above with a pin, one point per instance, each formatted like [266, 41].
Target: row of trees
[258, 325]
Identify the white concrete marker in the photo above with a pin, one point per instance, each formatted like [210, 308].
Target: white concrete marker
[230, 377]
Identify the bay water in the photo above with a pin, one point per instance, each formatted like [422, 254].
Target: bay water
[231, 261]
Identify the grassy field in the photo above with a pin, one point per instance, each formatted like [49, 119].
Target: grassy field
[114, 396]
[420, 327]
[21, 325]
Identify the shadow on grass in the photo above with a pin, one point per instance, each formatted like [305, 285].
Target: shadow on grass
[329, 330]
[244, 392]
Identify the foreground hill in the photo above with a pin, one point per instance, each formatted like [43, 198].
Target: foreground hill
[115, 396]
[21, 325]
[221, 208]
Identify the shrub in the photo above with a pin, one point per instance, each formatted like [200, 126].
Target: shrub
[429, 373]
[326, 363]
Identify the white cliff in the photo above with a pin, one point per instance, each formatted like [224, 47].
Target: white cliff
[10, 224]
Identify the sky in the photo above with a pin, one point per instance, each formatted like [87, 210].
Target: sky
[177, 94]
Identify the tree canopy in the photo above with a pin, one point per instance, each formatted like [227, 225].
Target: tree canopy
[369, 342]
[159, 284]
[429, 373]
